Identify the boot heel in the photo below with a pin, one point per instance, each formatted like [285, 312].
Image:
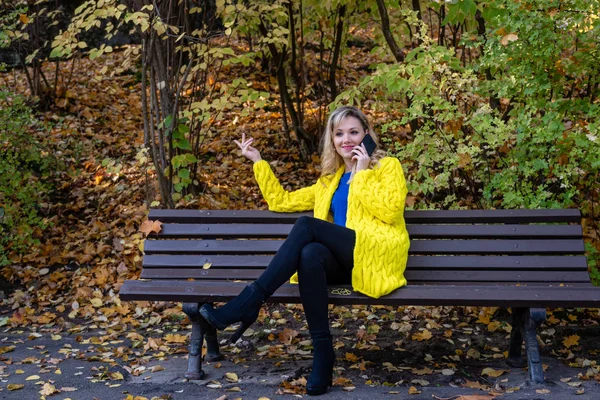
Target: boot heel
[239, 332]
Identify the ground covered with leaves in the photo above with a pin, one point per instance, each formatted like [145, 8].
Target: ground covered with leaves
[66, 289]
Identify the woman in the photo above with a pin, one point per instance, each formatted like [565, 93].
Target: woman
[357, 235]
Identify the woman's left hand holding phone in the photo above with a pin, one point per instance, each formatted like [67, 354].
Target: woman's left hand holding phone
[248, 151]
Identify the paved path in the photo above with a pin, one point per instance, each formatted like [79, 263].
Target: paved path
[82, 368]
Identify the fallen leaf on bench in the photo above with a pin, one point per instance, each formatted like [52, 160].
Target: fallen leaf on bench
[570, 341]
[234, 389]
[207, 265]
[493, 373]
[542, 391]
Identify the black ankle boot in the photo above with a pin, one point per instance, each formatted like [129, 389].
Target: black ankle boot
[322, 370]
[243, 308]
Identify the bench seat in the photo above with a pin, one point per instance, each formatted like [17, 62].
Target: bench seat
[527, 260]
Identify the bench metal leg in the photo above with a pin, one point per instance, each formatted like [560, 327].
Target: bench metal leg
[525, 322]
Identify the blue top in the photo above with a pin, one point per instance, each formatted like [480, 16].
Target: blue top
[339, 203]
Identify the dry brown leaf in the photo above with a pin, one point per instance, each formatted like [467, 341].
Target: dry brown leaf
[506, 39]
[287, 336]
[148, 227]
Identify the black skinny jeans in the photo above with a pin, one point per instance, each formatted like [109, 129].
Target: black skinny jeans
[322, 253]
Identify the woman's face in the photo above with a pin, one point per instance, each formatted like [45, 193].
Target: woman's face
[348, 134]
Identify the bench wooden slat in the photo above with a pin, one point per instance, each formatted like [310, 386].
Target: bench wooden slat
[417, 295]
[418, 216]
[207, 231]
[566, 246]
[412, 276]
[430, 263]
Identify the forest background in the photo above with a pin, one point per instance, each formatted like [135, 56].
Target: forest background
[111, 107]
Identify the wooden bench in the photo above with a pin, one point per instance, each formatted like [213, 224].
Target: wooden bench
[528, 260]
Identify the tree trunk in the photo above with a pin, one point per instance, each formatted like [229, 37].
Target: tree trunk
[339, 32]
[385, 28]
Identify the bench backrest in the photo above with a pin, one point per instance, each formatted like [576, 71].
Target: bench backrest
[455, 247]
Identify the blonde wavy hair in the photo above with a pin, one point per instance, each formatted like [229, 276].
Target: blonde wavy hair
[331, 161]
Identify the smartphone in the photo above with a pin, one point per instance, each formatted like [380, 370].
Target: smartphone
[369, 144]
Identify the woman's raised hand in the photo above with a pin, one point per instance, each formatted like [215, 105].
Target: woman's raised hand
[247, 150]
[361, 157]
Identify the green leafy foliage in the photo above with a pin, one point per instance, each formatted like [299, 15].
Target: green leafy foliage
[25, 169]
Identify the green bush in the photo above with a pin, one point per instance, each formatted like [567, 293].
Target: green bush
[536, 145]
[25, 169]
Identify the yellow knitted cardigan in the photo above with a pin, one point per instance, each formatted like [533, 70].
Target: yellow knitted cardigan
[375, 212]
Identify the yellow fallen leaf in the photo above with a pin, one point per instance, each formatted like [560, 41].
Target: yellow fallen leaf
[491, 372]
[157, 368]
[6, 349]
[542, 391]
[425, 335]
[413, 390]
[174, 338]
[58, 372]
[15, 386]
[32, 378]
[96, 302]
[56, 337]
[570, 341]
[116, 376]
[48, 389]
[231, 377]
[493, 326]
[19, 371]
[207, 265]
